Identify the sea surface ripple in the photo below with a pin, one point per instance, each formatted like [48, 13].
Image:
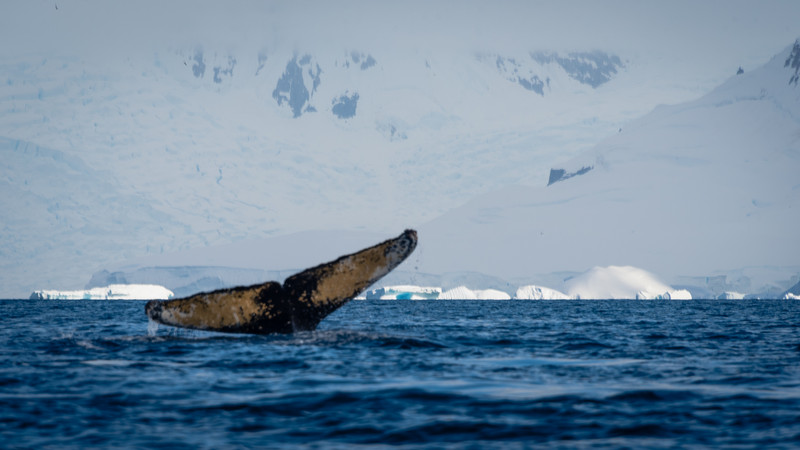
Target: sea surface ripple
[408, 374]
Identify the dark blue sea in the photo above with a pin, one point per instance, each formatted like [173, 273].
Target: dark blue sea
[408, 374]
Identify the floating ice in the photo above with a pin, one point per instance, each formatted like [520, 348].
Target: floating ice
[621, 282]
[459, 293]
[533, 292]
[411, 292]
[679, 294]
[464, 293]
[110, 292]
[598, 283]
[731, 296]
[404, 292]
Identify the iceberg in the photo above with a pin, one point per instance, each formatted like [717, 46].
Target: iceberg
[533, 292]
[679, 294]
[729, 295]
[404, 292]
[599, 283]
[458, 293]
[464, 293]
[621, 282]
[110, 292]
[411, 292]
[794, 292]
[491, 294]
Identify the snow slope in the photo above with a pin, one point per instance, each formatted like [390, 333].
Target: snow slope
[62, 219]
[199, 145]
[702, 188]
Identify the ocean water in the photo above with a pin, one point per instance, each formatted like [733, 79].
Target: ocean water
[408, 374]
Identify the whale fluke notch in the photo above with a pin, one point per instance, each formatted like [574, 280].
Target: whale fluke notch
[299, 304]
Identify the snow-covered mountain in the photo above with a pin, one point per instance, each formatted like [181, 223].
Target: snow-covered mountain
[190, 147]
[703, 193]
[138, 154]
[690, 191]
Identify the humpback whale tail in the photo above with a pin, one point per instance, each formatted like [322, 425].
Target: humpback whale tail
[299, 304]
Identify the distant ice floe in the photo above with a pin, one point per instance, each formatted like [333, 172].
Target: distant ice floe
[404, 292]
[612, 282]
[110, 292]
[410, 292]
[731, 296]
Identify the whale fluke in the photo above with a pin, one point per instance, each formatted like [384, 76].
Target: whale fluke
[299, 304]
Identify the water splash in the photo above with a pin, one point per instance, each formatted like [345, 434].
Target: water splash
[152, 327]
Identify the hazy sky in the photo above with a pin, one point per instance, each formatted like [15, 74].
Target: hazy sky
[690, 32]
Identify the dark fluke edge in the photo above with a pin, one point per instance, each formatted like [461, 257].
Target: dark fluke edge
[299, 304]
